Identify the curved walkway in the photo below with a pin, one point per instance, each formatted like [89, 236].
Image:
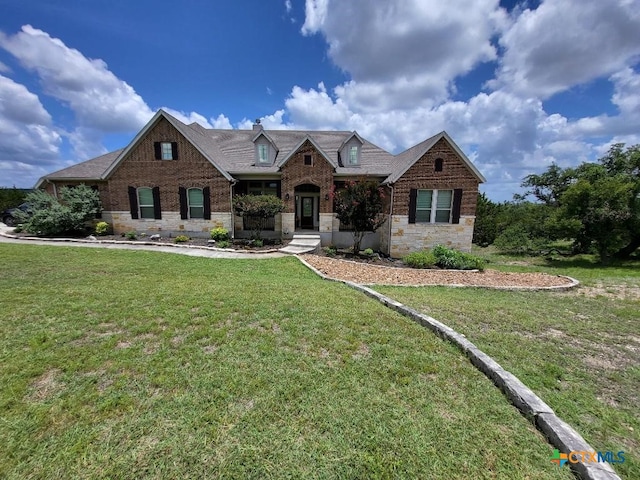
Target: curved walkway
[193, 251]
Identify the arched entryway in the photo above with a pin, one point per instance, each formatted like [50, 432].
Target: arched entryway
[307, 206]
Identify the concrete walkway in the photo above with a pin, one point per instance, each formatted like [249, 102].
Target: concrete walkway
[207, 252]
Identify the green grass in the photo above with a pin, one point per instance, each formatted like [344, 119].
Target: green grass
[117, 364]
[579, 350]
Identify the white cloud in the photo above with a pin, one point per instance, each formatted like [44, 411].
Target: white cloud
[26, 134]
[404, 53]
[4, 68]
[287, 5]
[99, 99]
[564, 43]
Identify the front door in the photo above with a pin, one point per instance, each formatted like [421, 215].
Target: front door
[306, 219]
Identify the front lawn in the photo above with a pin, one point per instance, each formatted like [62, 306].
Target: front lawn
[578, 350]
[122, 364]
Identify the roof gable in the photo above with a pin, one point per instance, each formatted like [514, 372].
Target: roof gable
[294, 150]
[192, 135]
[406, 159]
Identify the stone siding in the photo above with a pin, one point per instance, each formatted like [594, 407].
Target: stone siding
[170, 224]
[410, 237]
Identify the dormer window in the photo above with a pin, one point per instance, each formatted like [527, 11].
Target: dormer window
[353, 155]
[263, 153]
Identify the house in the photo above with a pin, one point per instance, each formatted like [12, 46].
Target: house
[174, 178]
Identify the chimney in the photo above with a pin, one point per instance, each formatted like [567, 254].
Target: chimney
[256, 126]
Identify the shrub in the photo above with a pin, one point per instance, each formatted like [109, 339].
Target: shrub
[368, 252]
[219, 234]
[102, 228]
[181, 239]
[132, 235]
[49, 216]
[330, 250]
[262, 207]
[422, 259]
[223, 244]
[453, 259]
[257, 242]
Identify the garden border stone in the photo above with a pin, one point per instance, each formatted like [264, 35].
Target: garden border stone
[559, 433]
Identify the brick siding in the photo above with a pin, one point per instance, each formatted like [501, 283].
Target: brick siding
[190, 170]
[295, 173]
[422, 175]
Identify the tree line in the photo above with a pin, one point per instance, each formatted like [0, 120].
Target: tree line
[594, 207]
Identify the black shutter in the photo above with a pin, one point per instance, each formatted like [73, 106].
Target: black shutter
[174, 150]
[457, 202]
[182, 192]
[157, 209]
[158, 150]
[133, 202]
[279, 189]
[206, 194]
[413, 196]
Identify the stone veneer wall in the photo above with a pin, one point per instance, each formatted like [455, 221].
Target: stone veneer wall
[407, 238]
[171, 223]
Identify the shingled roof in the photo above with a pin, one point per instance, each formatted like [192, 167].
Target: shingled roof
[233, 152]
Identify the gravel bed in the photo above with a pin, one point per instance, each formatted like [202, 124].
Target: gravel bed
[366, 274]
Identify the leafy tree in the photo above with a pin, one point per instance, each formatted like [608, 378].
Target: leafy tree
[49, 216]
[261, 207]
[361, 205]
[11, 197]
[485, 228]
[596, 204]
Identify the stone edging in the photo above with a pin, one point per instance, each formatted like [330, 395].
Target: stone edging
[125, 242]
[560, 434]
[572, 284]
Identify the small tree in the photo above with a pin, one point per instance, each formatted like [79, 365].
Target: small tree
[262, 207]
[50, 216]
[361, 205]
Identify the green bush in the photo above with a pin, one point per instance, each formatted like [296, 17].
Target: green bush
[11, 197]
[102, 228]
[257, 242]
[368, 252]
[70, 213]
[455, 260]
[422, 259]
[330, 250]
[223, 244]
[132, 235]
[516, 239]
[181, 239]
[219, 234]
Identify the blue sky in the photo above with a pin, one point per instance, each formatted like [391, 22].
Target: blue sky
[517, 85]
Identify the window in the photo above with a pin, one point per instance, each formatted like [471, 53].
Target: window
[263, 153]
[353, 155]
[166, 150]
[308, 160]
[145, 203]
[438, 164]
[195, 200]
[425, 202]
[257, 187]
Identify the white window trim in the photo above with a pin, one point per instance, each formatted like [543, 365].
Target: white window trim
[189, 204]
[266, 151]
[357, 159]
[164, 153]
[140, 205]
[434, 205]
